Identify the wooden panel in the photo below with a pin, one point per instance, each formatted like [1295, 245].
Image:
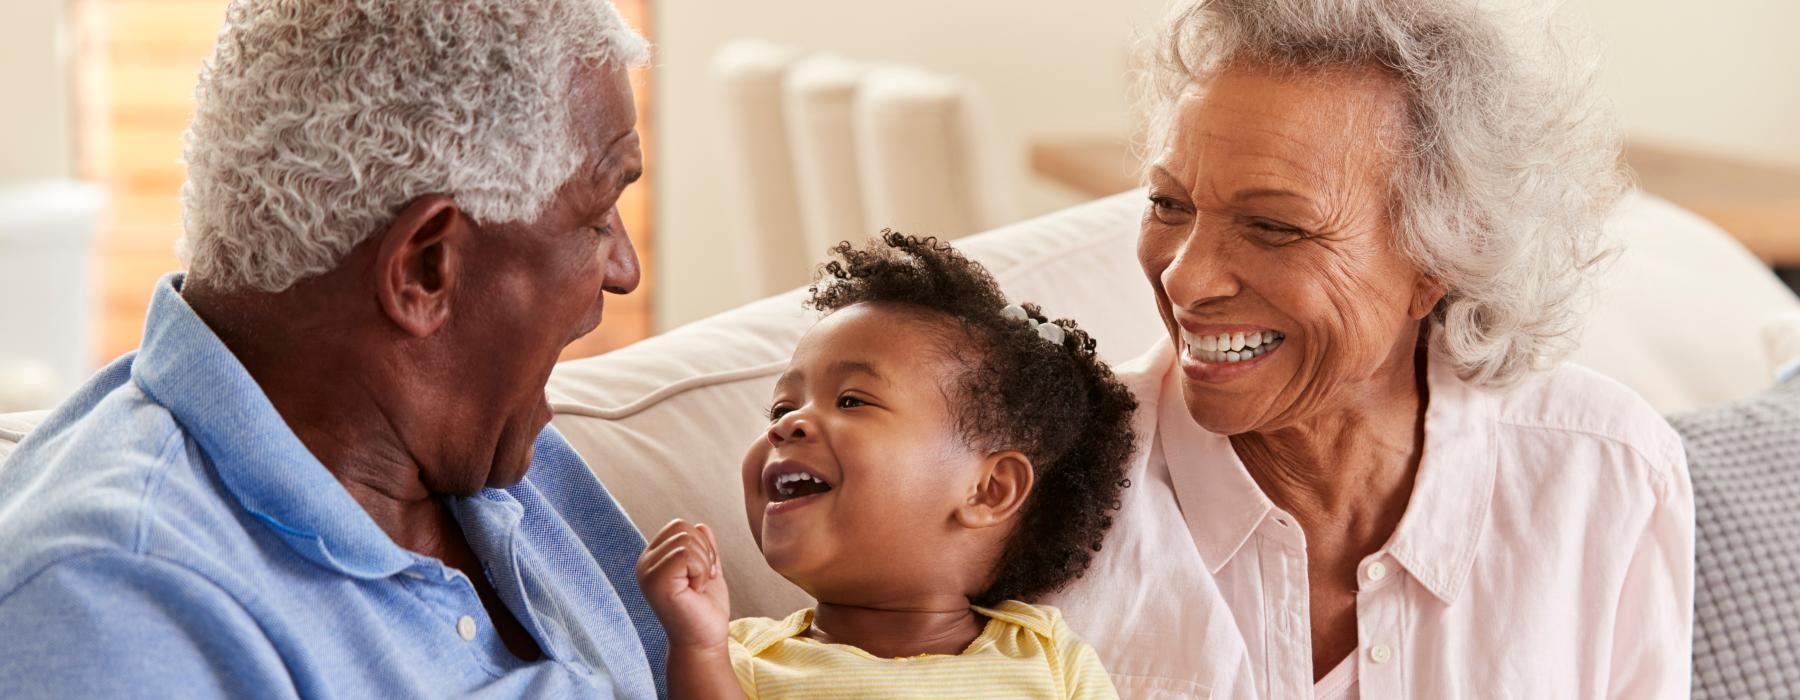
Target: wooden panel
[1092, 166]
[628, 318]
[174, 26]
[163, 87]
[142, 211]
[129, 276]
[132, 153]
[137, 62]
[1757, 203]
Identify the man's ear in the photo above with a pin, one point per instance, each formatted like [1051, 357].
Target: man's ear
[417, 264]
[1004, 484]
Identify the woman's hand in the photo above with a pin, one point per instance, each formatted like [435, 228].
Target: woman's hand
[681, 576]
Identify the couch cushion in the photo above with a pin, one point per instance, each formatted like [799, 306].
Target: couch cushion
[1781, 342]
[1745, 462]
[14, 426]
[1680, 315]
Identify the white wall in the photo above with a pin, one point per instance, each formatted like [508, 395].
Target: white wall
[1721, 75]
[36, 123]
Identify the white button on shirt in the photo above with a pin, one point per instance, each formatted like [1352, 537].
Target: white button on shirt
[1547, 551]
[466, 628]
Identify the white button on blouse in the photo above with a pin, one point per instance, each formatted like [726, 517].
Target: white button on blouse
[1551, 528]
[1376, 572]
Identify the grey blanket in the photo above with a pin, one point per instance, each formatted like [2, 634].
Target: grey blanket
[1745, 461]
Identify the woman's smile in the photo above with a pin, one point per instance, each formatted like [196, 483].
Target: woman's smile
[1217, 353]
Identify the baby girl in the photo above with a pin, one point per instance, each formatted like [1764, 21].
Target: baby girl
[935, 459]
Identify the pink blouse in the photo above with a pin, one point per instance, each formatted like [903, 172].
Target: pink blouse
[1547, 552]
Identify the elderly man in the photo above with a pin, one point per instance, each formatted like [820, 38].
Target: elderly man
[328, 471]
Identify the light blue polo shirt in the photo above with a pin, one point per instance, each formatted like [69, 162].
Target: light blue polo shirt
[164, 534]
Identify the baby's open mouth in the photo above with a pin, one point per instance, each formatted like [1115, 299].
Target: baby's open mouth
[792, 485]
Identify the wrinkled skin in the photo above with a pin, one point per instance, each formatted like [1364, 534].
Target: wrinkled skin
[415, 369]
[1271, 210]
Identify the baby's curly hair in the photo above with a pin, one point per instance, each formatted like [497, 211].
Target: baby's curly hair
[1059, 404]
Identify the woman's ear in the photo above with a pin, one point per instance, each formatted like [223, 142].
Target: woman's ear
[1005, 482]
[1427, 292]
[417, 263]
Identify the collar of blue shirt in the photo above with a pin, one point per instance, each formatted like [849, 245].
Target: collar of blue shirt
[186, 368]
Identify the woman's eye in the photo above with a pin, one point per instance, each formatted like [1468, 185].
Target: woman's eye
[1166, 209]
[1276, 228]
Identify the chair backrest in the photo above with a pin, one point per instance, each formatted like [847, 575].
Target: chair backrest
[749, 74]
[852, 147]
[927, 162]
[821, 112]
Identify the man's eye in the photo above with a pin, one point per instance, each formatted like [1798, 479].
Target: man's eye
[601, 231]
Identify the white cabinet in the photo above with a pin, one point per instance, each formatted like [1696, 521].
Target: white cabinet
[48, 299]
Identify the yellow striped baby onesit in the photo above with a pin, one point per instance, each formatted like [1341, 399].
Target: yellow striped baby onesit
[1025, 651]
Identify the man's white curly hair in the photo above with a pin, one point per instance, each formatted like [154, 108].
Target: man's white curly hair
[319, 120]
[1507, 174]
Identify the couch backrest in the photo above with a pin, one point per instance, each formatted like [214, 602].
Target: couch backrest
[665, 422]
[1685, 316]
[14, 426]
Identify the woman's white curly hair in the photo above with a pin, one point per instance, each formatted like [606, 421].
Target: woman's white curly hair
[319, 120]
[1507, 173]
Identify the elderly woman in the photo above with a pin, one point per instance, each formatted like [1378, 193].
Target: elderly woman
[327, 472]
[1362, 469]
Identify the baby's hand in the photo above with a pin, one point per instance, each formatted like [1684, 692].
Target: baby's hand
[681, 576]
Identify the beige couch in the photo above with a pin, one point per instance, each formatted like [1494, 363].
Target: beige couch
[666, 421]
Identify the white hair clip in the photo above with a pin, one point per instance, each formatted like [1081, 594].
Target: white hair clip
[1046, 330]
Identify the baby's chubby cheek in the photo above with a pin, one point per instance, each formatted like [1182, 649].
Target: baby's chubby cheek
[751, 474]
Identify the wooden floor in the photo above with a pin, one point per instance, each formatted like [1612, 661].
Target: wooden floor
[137, 61]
